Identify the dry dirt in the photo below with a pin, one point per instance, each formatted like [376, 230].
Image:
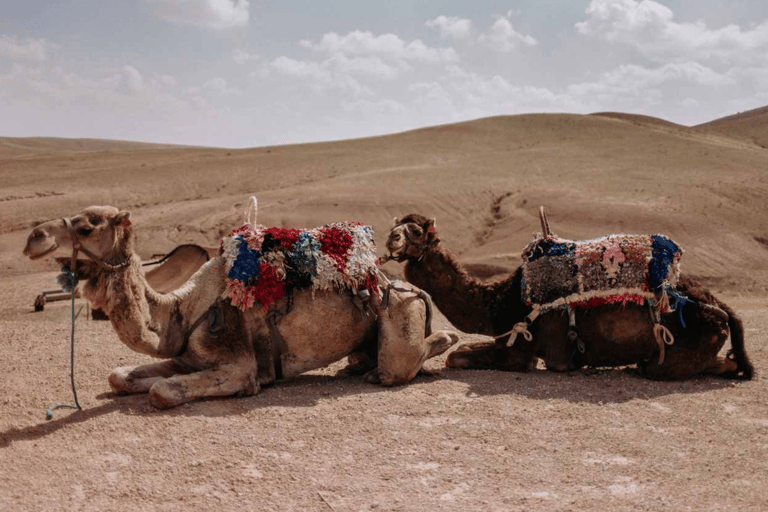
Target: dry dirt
[459, 440]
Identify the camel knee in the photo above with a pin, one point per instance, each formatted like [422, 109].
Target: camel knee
[123, 381]
[168, 393]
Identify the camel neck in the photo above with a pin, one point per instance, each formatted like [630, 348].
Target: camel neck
[139, 315]
[461, 298]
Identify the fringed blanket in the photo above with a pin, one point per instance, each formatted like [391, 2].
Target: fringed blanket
[613, 269]
[262, 263]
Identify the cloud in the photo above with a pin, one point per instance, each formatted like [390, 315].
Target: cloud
[386, 46]
[241, 56]
[319, 77]
[502, 37]
[213, 14]
[28, 50]
[650, 27]
[631, 86]
[135, 80]
[452, 26]
[217, 86]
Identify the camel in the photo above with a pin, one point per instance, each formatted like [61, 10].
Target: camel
[607, 335]
[210, 348]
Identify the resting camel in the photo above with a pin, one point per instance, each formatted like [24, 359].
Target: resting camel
[605, 335]
[208, 347]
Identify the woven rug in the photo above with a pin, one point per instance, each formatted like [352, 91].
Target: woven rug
[263, 263]
[613, 269]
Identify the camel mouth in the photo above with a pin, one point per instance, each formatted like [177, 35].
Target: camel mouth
[393, 257]
[42, 254]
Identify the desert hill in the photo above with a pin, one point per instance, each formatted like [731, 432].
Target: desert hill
[483, 180]
[751, 126]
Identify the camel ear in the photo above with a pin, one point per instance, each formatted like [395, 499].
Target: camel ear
[431, 223]
[122, 219]
[395, 221]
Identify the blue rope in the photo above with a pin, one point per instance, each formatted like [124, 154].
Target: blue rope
[676, 303]
[68, 282]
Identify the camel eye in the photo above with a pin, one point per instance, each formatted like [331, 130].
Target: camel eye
[93, 220]
[417, 232]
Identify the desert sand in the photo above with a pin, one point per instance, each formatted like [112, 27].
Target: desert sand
[595, 439]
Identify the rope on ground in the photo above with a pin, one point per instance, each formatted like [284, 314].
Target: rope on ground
[71, 281]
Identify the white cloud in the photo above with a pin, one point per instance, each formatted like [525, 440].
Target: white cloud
[241, 56]
[502, 37]
[28, 50]
[214, 14]
[650, 27]
[318, 76]
[135, 80]
[387, 46]
[451, 26]
[372, 66]
[216, 85]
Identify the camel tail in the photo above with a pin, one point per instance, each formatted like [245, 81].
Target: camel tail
[738, 353]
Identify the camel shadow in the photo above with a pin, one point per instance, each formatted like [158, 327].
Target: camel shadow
[131, 405]
[302, 391]
[594, 386]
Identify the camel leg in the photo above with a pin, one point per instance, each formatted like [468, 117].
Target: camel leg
[551, 329]
[225, 380]
[495, 355]
[127, 380]
[695, 351]
[402, 345]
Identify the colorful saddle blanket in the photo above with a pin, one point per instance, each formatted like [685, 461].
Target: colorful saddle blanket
[262, 263]
[613, 269]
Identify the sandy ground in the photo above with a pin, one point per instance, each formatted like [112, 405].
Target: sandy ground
[457, 441]
[461, 440]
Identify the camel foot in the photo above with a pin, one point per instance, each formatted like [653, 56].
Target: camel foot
[359, 363]
[372, 377]
[492, 356]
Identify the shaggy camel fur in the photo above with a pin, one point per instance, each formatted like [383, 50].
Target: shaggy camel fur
[209, 348]
[611, 335]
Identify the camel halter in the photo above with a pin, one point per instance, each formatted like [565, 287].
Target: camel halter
[77, 246]
[408, 244]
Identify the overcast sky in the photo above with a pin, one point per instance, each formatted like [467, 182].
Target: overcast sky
[239, 73]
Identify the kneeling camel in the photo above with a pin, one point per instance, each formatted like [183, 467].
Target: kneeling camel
[609, 334]
[211, 348]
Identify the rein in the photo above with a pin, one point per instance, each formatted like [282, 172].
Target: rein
[77, 246]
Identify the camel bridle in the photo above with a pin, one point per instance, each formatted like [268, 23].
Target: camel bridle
[77, 246]
[410, 242]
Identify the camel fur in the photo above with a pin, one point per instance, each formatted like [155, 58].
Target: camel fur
[229, 352]
[609, 334]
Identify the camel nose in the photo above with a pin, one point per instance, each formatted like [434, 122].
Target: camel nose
[33, 237]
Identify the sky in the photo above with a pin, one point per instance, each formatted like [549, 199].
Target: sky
[250, 73]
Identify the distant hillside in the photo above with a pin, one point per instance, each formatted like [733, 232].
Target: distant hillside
[10, 146]
[751, 126]
[639, 119]
[482, 180]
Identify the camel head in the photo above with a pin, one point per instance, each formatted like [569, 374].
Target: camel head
[101, 233]
[410, 237]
